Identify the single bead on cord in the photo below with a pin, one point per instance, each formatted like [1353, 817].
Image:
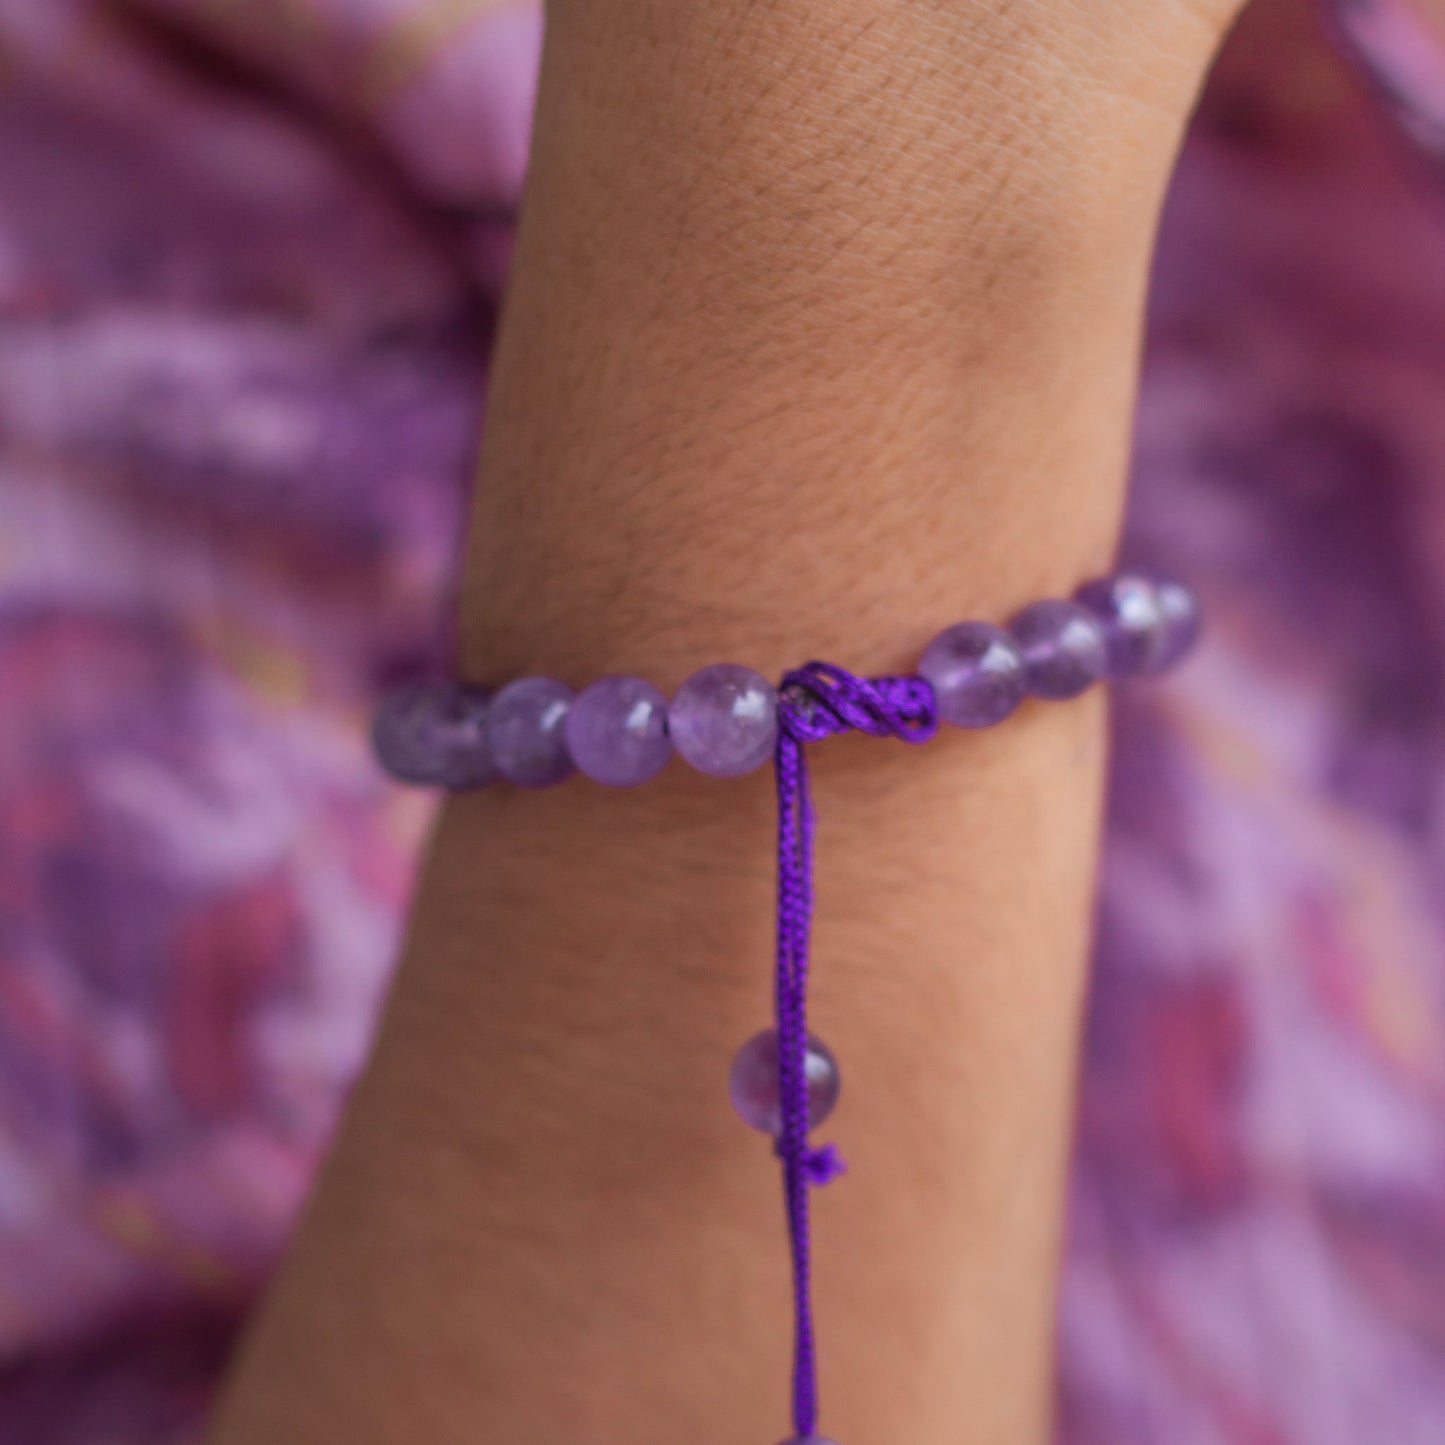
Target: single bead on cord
[526, 732]
[616, 731]
[1063, 649]
[1127, 607]
[808, 1440]
[977, 674]
[724, 720]
[435, 733]
[753, 1084]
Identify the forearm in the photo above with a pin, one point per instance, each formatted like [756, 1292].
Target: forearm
[823, 336]
[863, 292]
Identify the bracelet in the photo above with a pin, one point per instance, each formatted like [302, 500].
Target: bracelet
[728, 720]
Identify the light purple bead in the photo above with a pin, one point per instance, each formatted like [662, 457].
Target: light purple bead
[724, 720]
[1127, 608]
[617, 731]
[1063, 648]
[754, 1090]
[527, 732]
[434, 733]
[977, 674]
[1183, 620]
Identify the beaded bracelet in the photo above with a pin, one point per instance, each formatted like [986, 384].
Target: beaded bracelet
[727, 721]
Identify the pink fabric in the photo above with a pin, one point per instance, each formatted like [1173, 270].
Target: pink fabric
[249, 257]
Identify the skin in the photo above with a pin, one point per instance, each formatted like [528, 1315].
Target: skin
[823, 335]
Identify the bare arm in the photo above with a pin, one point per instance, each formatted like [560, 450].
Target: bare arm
[823, 336]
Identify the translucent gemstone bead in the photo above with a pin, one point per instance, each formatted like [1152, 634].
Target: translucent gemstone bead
[617, 731]
[1127, 608]
[527, 732]
[724, 720]
[1063, 648]
[808, 1440]
[434, 733]
[753, 1083]
[1183, 619]
[977, 674]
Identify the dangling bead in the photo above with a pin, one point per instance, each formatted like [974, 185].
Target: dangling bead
[754, 1090]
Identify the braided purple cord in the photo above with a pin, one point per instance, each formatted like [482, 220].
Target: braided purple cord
[821, 700]
[816, 702]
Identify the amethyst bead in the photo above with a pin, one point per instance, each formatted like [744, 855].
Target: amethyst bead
[434, 733]
[1063, 649]
[724, 720]
[1127, 608]
[754, 1088]
[807, 1440]
[977, 674]
[617, 731]
[1182, 621]
[527, 732]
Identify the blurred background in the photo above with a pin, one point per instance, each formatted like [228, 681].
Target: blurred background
[251, 253]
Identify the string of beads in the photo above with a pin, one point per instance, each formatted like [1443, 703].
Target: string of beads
[622, 731]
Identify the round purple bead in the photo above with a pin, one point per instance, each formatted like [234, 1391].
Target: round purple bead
[1063, 648]
[617, 731]
[527, 732]
[1182, 622]
[435, 734]
[977, 674]
[1127, 608]
[808, 1440]
[724, 720]
[754, 1089]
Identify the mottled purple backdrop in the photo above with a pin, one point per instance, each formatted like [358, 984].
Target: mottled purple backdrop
[249, 258]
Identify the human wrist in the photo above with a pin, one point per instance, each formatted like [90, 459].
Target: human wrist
[1056, 74]
[803, 333]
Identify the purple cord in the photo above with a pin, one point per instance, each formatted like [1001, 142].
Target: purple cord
[815, 702]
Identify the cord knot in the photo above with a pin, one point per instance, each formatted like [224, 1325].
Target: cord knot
[820, 1166]
[821, 700]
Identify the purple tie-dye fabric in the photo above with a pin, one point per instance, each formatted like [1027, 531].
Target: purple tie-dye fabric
[249, 257]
